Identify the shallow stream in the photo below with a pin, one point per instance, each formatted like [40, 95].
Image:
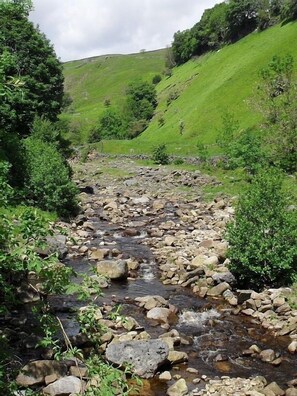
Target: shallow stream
[216, 336]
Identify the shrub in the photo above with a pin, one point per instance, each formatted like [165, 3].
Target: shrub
[246, 152]
[263, 235]
[48, 183]
[203, 153]
[156, 79]
[111, 126]
[50, 132]
[5, 188]
[160, 155]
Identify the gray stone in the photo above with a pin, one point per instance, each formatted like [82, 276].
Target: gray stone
[144, 356]
[268, 355]
[292, 348]
[35, 372]
[178, 389]
[243, 295]
[113, 269]
[273, 387]
[55, 244]
[218, 290]
[64, 387]
[291, 392]
[161, 315]
[221, 277]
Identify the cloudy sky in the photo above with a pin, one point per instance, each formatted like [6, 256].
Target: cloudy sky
[84, 28]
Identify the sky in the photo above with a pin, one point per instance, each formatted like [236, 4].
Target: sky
[84, 28]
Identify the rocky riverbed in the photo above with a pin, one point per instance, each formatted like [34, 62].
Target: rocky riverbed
[187, 329]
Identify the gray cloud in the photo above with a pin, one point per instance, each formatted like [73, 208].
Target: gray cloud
[83, 28]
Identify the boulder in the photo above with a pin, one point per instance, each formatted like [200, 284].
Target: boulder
[292, 348]
[64, 387]
[176, 357]
[113, 269]
[34, 373]
[221, 277]
[54, 244]
[144, 356]
[98, 254]
[178, 389]
[218, 290]
[161, 315]
[268, 355]
[274, 389]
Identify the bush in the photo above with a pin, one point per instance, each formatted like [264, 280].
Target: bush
[263, 235]
[156, 79]
[246, 152]
[48, 183]
[5, 188]
[50, 132]
[111, 126]
[160, 155]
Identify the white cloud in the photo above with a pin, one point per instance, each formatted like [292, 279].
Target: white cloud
[83, 28]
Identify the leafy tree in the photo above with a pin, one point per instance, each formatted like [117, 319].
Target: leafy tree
[52, 133]
[289, 10]
[228, 131]
[111, 126]
[141, 100]
[211, 31]
[183, 46]
[278, 103]
[48, 182]
[246, 152]
[241, 18]
[33, 60]
[160, 155]
[263, 236]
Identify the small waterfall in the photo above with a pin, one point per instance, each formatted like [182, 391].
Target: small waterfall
[197, 319]
[146, 271]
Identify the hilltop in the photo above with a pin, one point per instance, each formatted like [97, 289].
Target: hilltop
[197, 94]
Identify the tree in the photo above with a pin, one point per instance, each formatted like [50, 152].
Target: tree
[33, 60]
[210, 32]
[289, 10]
[263, 236]
[278, 103]
[183, 46]
[111, 126]
[241, 18]
[141, 100]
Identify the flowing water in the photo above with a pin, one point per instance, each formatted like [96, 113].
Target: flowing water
[215, 337]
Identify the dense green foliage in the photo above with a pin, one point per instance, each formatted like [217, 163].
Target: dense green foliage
[228, 22]
[263, 235]
[141, 100]
[47, 182]
[31, 58]
[111, 126]
[278, 103]
[160, 156]
[93, 83]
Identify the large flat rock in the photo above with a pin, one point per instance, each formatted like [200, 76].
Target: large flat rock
[144, 356]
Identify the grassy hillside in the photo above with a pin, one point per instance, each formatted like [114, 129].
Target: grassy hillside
[91, 81]
[206, 87]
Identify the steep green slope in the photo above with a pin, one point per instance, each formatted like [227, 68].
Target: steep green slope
[207, 87]
[216, 83]
[91, 81]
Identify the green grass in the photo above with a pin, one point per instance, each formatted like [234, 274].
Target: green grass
[208, 86]
[18, 210]
[91, 81]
